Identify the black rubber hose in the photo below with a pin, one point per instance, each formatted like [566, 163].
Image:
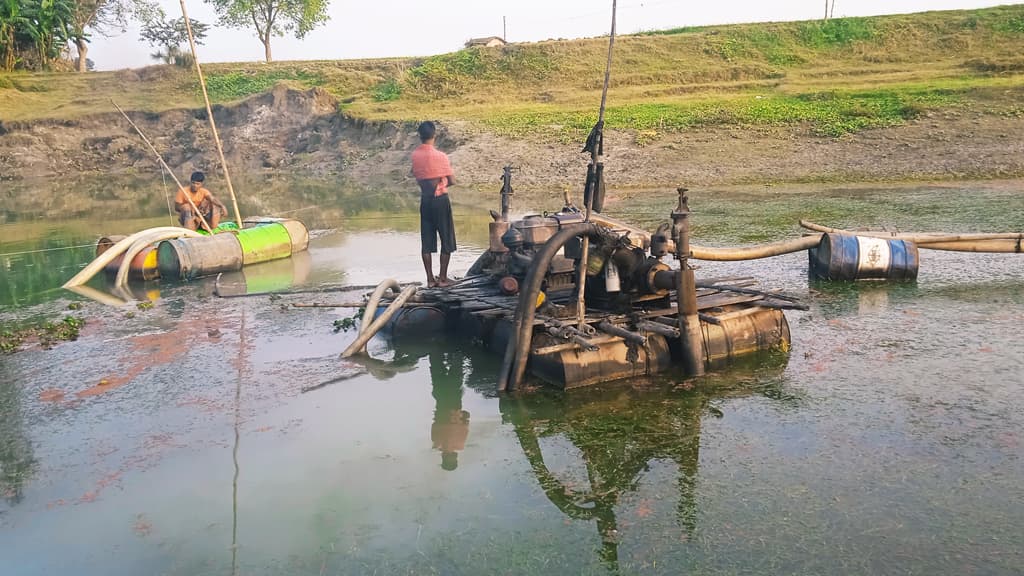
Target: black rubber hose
[527, 308]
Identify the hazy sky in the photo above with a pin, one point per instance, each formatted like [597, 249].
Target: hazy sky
[378, 28]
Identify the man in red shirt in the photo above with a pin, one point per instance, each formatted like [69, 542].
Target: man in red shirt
[433, 172]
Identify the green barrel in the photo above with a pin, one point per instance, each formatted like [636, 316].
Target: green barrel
[188, 258]
[264, 243]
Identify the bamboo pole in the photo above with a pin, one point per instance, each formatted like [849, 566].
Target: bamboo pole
[167, 168]
[209, 114]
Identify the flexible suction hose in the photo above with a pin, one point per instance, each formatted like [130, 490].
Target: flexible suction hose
[371, 305]
[518, 351]
[379, 323]
[116, 250]
[141, 244]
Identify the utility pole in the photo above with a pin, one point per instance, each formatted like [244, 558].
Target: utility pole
[504, 30]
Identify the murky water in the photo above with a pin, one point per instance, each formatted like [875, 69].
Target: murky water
[228, 437]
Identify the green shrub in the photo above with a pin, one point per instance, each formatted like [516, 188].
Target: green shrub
[387, 91]
[235, 85]
[835, 32]
[1012, 25]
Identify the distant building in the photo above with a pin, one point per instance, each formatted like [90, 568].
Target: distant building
[489, 42]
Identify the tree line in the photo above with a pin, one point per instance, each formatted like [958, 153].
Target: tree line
[55, 34]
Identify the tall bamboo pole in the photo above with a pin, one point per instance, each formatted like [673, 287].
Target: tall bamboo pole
[209, 113]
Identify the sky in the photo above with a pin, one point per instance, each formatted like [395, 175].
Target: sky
[383, 28]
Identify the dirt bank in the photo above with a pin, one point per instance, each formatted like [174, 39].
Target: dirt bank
[300, 132]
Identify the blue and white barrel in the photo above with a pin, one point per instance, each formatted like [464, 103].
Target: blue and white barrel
[845, 257]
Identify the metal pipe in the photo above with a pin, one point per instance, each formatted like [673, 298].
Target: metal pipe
[667, 331]
[627, 335]
[686, 291]
[517, 354]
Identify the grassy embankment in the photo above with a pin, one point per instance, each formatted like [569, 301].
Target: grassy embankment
[835, 76]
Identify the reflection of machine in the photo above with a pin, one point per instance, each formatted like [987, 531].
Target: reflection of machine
[617, 433]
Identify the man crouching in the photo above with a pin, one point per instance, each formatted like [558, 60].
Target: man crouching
[211, 208]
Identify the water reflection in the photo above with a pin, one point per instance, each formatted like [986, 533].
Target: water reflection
[450, 427]
[619, 431]
[17, 462]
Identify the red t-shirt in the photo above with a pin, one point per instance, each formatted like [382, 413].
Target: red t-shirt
[429, 163]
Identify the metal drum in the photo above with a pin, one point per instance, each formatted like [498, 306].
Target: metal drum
[844, 257]
[188, 258]
[264, 243]
[143, 266]
[414, 322]
[105, 242]
[611, 361]
[298, 234]
[744, 332]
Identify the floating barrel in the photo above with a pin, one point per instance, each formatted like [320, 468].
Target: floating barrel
[414, 322]
[743, 332]
[105, 242]
[298, 234]
[265, 242]
[611, 361]
[844, 257]
[190, 258]
[143, 266]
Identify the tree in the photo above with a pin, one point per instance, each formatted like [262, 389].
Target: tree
[12, 22]
[49, 24]
[272, 17]
[168, 36]
[106, 17]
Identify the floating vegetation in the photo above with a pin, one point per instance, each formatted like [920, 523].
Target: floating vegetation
[47, 334]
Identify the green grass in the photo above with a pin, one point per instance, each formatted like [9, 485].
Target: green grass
[836, 76]
[236, 85]
[829, 113]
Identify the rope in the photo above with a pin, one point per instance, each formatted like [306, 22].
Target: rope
[47, 250]
[167, 197]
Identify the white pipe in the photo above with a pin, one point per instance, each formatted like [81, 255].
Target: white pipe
[140, 245]
[111, 254]
[371, 305]
[918, 237]
[379, 323]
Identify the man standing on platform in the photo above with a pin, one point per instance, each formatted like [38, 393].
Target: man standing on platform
[433, 172]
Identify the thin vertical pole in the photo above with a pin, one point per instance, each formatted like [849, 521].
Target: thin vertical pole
[209, 114]
[596, 150]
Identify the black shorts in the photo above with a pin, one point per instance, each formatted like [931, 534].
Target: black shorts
[185, 216]
[436, 220]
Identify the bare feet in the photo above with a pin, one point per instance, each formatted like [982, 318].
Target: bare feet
[444, 283]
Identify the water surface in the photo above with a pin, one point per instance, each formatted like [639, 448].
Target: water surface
[228, 438]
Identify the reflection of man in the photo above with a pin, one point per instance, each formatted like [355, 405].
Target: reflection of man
[450, 428]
